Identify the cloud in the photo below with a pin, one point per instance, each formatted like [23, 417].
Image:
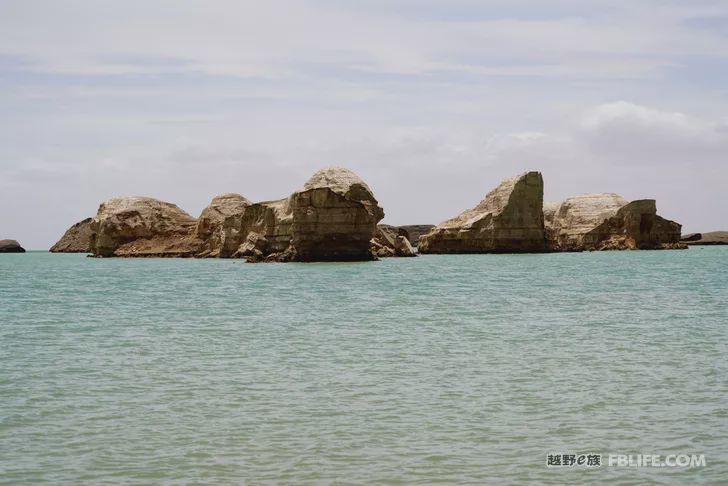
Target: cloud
[271, 39]
[642, 135]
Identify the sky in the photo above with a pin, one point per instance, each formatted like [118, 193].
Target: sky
[431, 102]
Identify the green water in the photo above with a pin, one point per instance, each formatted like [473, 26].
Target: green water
[439, 369]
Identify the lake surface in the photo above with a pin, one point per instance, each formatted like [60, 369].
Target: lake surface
[439, 369]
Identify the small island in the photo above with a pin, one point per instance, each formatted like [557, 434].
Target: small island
[11, 246]
[335, 217]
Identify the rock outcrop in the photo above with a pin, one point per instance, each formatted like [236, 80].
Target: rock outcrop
[211, 221]
[509, 220]
[11, 246]
[77, 239]
[391, 241]
[332, 218]
[414, 231]
[569, 221]
[711, 238]
[608, 222]
[143, 227]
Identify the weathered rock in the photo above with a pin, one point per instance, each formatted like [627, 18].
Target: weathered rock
[381, 250]
[333, 218]
[691, 237]
[77, 239]
[143, 226]
[609, 222]
[212, 218]
[391, 241]
[11, 246]
[403, 248]
[414, 231]
[711, 238]
[509, 220]
[568, 222]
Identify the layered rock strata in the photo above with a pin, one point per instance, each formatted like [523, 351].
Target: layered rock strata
[509, 220]
[391, 241]
[332, 218]
[608, 222]
[210, 225]
[77, 239]
[143, 227]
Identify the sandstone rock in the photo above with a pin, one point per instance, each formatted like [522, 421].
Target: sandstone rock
[609, 222]
[414, 231]
[143, 226]
[509, 220]
[403, 248]
[391, 241]
[11, 246]
[211, 221]
[711, 238]
[77, 239]
[568, 222]
[332, 218]
[381, 250]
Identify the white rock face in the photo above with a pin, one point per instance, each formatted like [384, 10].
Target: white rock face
[142, 226]
[211, 221]
[570, 220]
[609, 222]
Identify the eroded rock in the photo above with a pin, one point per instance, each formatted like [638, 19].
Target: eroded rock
[11, 246]
[211, 221]
[333, 218]
[391, 241]
[609, 222]
[414, 231]
[710, 238]
[77, 239]
[568, 222]
[509, 220]
[143, 226]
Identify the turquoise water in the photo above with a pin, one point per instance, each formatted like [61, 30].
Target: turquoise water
[439, 369]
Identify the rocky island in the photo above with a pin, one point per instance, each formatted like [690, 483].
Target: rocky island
[608, 222]
[335, 216]
[332, 218]
[11, 246]
[710, 238]
[513, 219]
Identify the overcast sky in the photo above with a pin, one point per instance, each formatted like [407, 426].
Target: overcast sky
[432, 102]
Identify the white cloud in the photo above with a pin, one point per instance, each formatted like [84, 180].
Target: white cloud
[270, 39]
[640, 135]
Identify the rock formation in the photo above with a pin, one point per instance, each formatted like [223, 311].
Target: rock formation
[143, 226]
[567, 222]
[210, 222]
[77, 239]
[711, 238]
[608, 222]
[391, 241]
[509, 220]
[414, 231]
[11, 246]
[333, 218]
